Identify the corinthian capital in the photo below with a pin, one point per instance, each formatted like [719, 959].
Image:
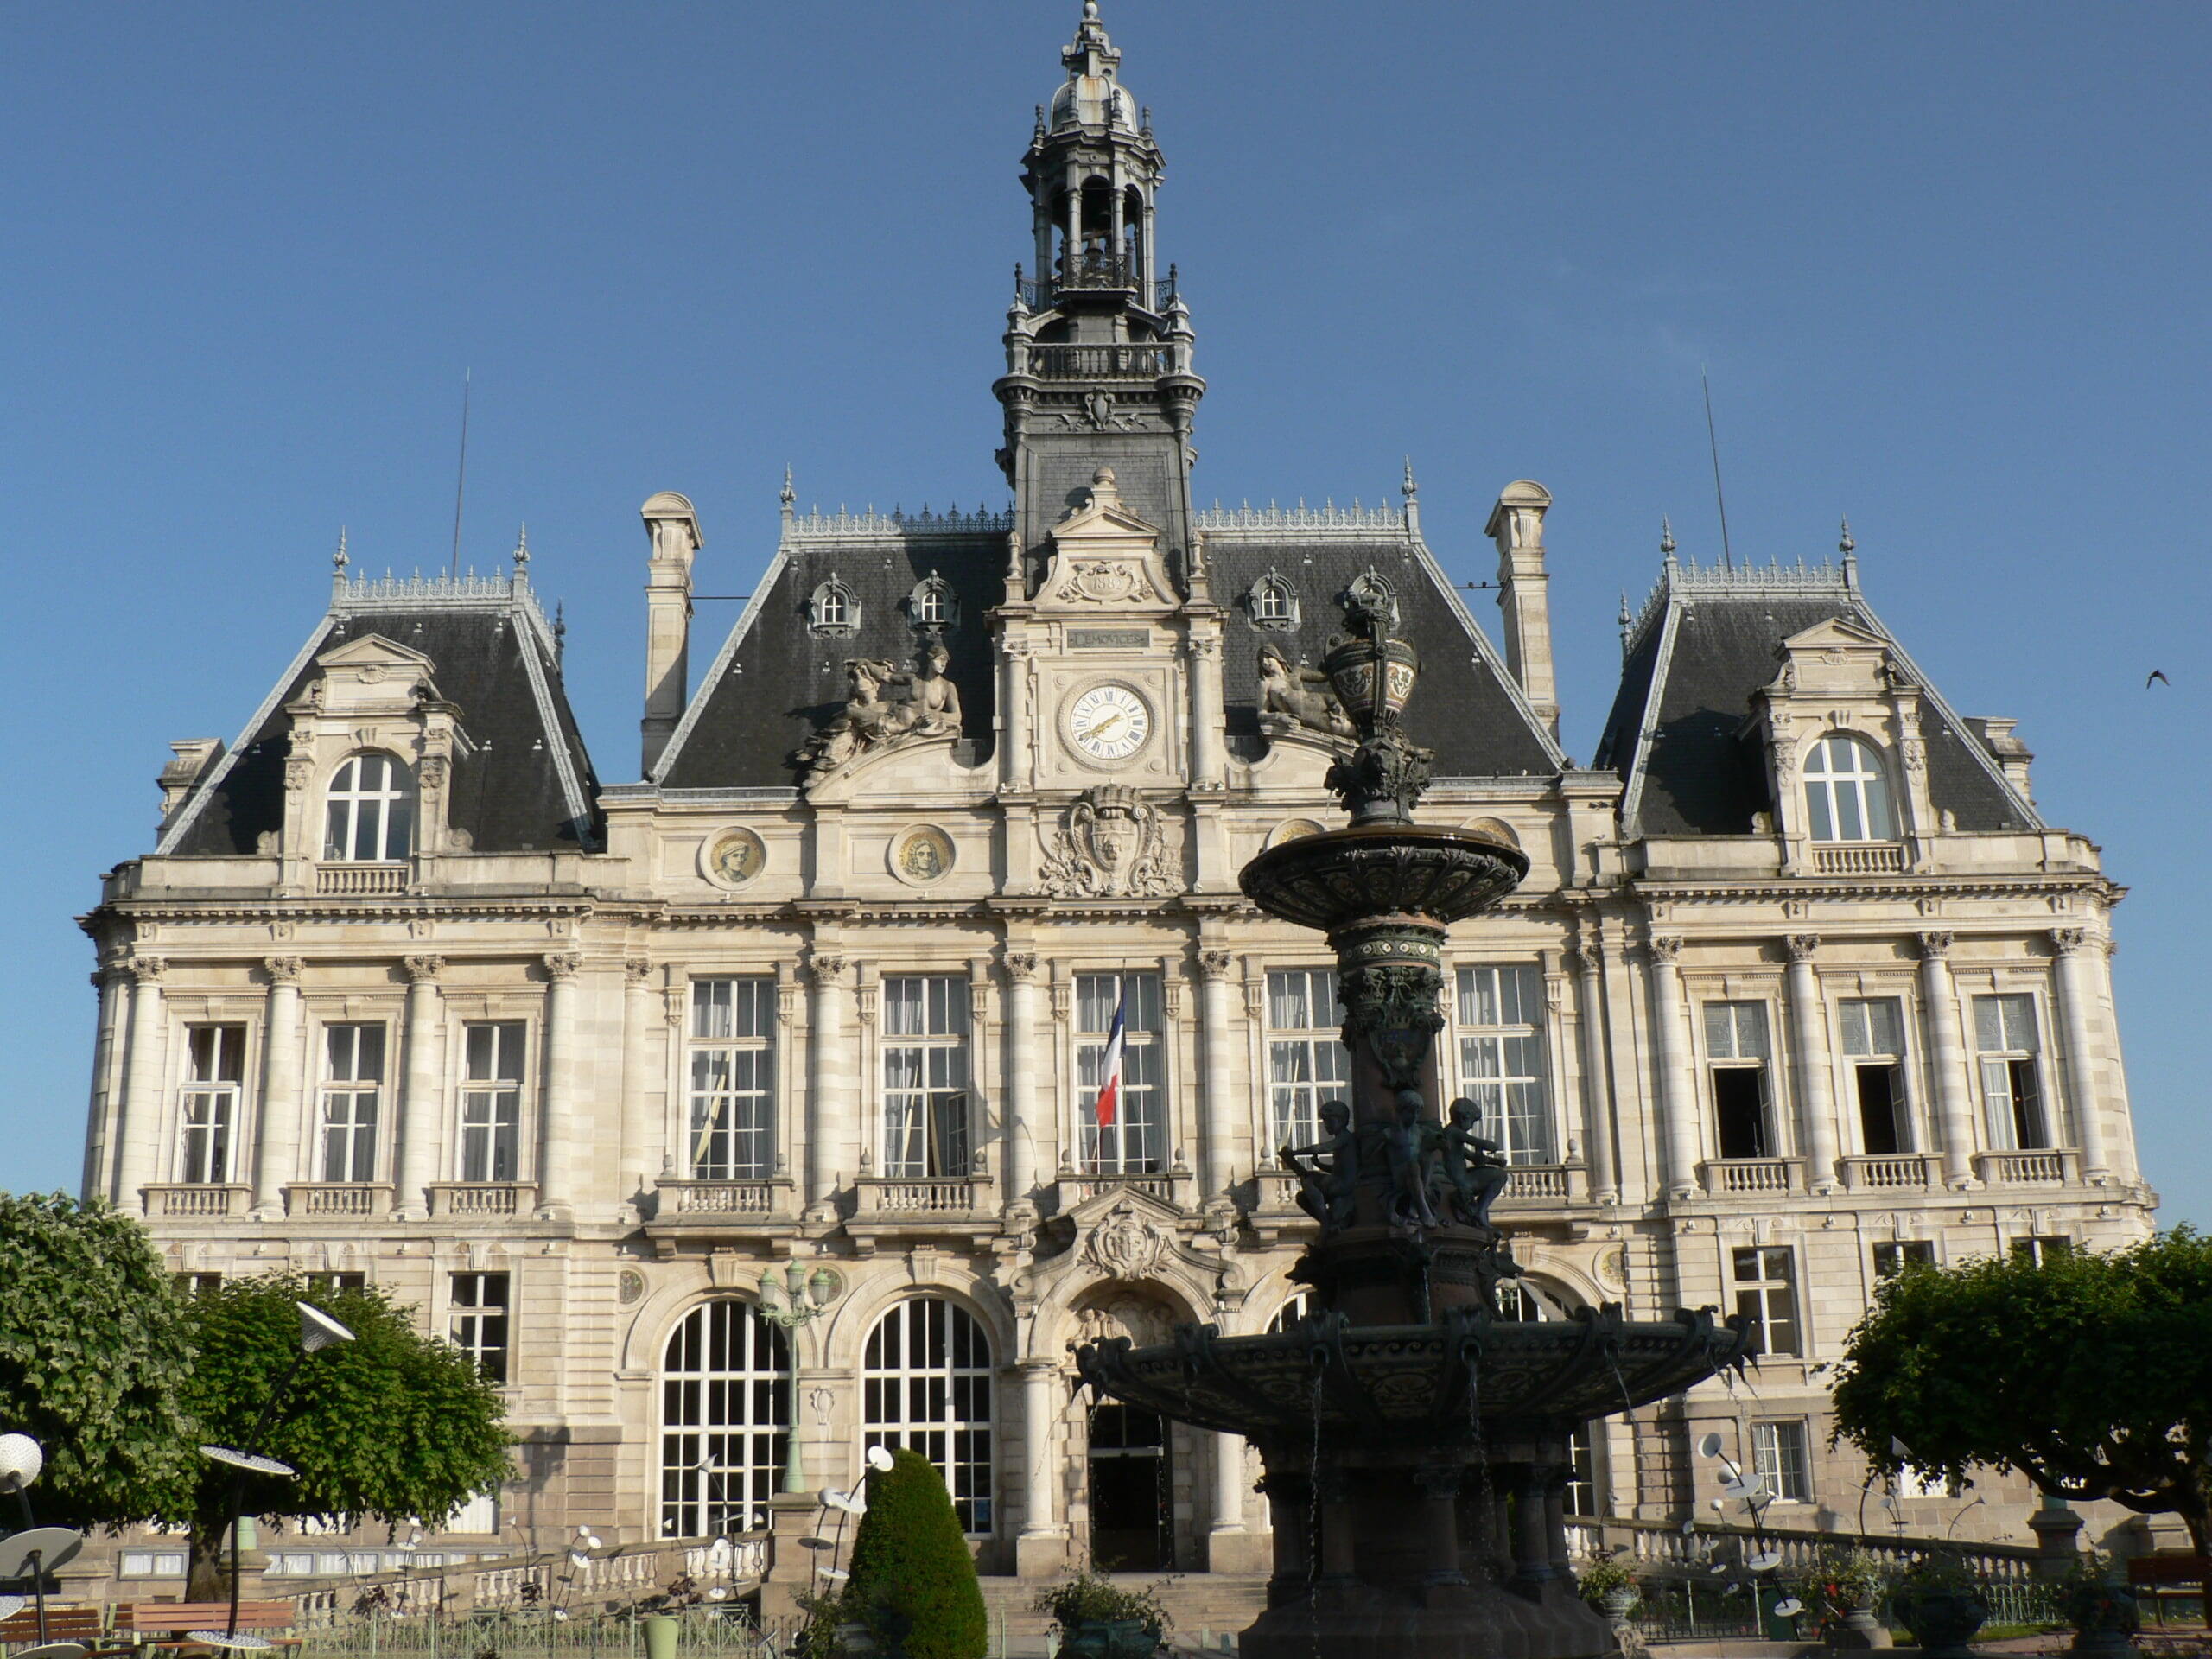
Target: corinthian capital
[1215, 964]
[829, 970]
[2068, 940]
[562, 965]
[1665, 947]
[1021, 965]
[422, 969]
[147, 970]
[1802, 946]
[282, 970]
[637, 970]
[1933, 947]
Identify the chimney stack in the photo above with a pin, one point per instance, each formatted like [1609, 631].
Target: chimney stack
[1516, 525]
[674, 529]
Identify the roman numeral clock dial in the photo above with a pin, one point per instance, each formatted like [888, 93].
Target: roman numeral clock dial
[1109, 722]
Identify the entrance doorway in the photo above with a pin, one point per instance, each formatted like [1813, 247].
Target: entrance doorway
[1132, 1493]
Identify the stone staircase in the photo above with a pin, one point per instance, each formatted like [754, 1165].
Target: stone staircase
[1213, 1606]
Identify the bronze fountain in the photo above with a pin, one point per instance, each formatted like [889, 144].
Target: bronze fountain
[1416, 1444]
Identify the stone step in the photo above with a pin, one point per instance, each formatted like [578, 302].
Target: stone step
[1215, 1603]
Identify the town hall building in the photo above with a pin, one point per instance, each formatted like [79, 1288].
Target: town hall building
[744, 1115]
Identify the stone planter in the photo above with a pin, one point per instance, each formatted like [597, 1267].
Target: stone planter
[1860, 1631]
[2104, 1617]
[661, 1633]
[1110, 1638]
[1616, 1603]
[1941, 1621]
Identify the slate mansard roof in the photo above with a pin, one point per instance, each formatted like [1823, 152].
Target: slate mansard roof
[522, 781]
[776, 682]
[1706, 641]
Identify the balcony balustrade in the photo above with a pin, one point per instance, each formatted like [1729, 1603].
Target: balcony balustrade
[196, 1199]
[1080, 1187]
[1101, 362]
[459, 1198]
[899, 1199]
[1892, 1172]
[2055, 1167]
[1729, 1178]
[1859, 858]
[338, 1199]
[360, 881]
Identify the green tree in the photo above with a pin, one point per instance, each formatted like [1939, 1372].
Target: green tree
[390, 1426]
[94, 1351]
[2091, 1374]
[913, 1578]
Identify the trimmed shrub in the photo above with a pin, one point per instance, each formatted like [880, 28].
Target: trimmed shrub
[913, 1581]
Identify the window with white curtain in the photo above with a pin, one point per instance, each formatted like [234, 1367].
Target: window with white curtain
[214, 1078]
[1136, 1143]
[1501, 1030]
[1873, 1047]
[2009, 1051]
[352, 1095]
[926, 1030]
[1736, 1054]
[1846, 793]
[1308, 1061]
[733, 1079]
[1779, 1452]
[369, 812]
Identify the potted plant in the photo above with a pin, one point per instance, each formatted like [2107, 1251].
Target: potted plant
[1848, 1586]
[1609, 1586]
[1938, 1599]
[2097, 1605]
[1099, 1619]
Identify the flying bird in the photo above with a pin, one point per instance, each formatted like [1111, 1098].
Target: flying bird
[2160, 675]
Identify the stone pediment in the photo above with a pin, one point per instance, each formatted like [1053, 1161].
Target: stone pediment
[370, 675]
[1106, 560]
[1833, 657]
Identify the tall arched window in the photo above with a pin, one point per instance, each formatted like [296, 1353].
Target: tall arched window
[370, 817]
[725, 1410]
[1846, 793]
[1288, 1316]
[925, 1385]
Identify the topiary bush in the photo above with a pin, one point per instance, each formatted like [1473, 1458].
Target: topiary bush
[913, 1580]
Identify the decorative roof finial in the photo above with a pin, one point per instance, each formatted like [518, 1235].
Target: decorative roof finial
[1409, 489]
[1846, 544]
[560, 628]
[522, 550]
[787, 496]
[338, 560]
[1666, 545]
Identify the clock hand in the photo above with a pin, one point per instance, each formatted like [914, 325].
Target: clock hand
[1098, 728]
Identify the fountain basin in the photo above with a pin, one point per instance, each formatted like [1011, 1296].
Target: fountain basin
[1430, 1385]
[1373, 874]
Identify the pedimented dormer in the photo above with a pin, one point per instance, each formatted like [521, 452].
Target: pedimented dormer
[1106, 560]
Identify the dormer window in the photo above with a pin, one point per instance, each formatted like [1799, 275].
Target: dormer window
[1372, 588]
[1273, 603]
[835, 609]
[931, 604]
[370, 818]
[1846, 793]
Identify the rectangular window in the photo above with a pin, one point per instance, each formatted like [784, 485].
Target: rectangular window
[1779, 1452]
[1307, 1062]
[1501, 1019]
[152, 1564]
[1736, 1052]
[1873, 1046]
[1891, 1259]
[352, 1088]
[329, 1284]
[733, 1079]
[1766, 1296]
[480, 1515]
[479, 1321]
[490, 1100]
[924, 1075]
[215, 1075]
[1136, 1143]
[2011, 1088]
[196, 1284]
[2042, 1249]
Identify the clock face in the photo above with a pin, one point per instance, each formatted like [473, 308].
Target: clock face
[1110, 723]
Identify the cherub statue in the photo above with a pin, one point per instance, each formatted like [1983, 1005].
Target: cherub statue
[1404, 1147]
[1472, 1169]
[1326, 1191]
[1300, 693]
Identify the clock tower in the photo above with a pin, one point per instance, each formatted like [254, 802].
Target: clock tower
[1109, 642]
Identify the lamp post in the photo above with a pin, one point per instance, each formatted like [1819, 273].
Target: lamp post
[318, 1331]
[788, 1300]
[35, 1551]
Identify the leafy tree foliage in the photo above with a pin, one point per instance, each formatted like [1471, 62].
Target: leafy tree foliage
[913, 1579]
[2091, 1374]
[391, 1425]
[93, 1351]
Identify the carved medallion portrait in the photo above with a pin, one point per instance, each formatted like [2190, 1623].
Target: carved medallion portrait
[922, 855]
[731, 858]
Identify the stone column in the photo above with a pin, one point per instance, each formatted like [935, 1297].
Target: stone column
[1596, 1097]
[1227, 1484]
[1020, 1172]
[1670, 1034]
[1215, 1114]
[1808, 1036]
[2125, 1162]
[828, 1116]
[1041, 1545]
[1439, 1491]
[138, 1123]
[1206, 736]
[1532, 1543]
[644, 1140]
[1948, 1060]
[420, 1117]
[283, 1101]
[99, 1118]
[2076, 994]
[557, 1134]
[1013, 709]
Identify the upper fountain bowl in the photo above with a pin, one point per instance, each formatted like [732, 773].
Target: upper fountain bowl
[1371, 871]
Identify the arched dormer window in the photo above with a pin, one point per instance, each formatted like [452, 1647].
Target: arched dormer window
[835, 609]
[931, 604]
[1273, 603]
[369, 817]
[1371, 587]
[1848, 792]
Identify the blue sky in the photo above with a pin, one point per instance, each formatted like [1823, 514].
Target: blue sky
[1947, 265]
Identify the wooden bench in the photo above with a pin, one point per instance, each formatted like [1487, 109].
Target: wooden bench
[83, 1625]
[2155, 1580]
[169, 1624]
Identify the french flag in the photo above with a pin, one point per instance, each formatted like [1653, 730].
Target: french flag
[1109, 1087]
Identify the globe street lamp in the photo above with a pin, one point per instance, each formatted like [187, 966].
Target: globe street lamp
[788, 1300]
[35, 1551]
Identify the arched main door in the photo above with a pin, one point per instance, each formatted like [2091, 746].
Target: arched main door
[725, 1413]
